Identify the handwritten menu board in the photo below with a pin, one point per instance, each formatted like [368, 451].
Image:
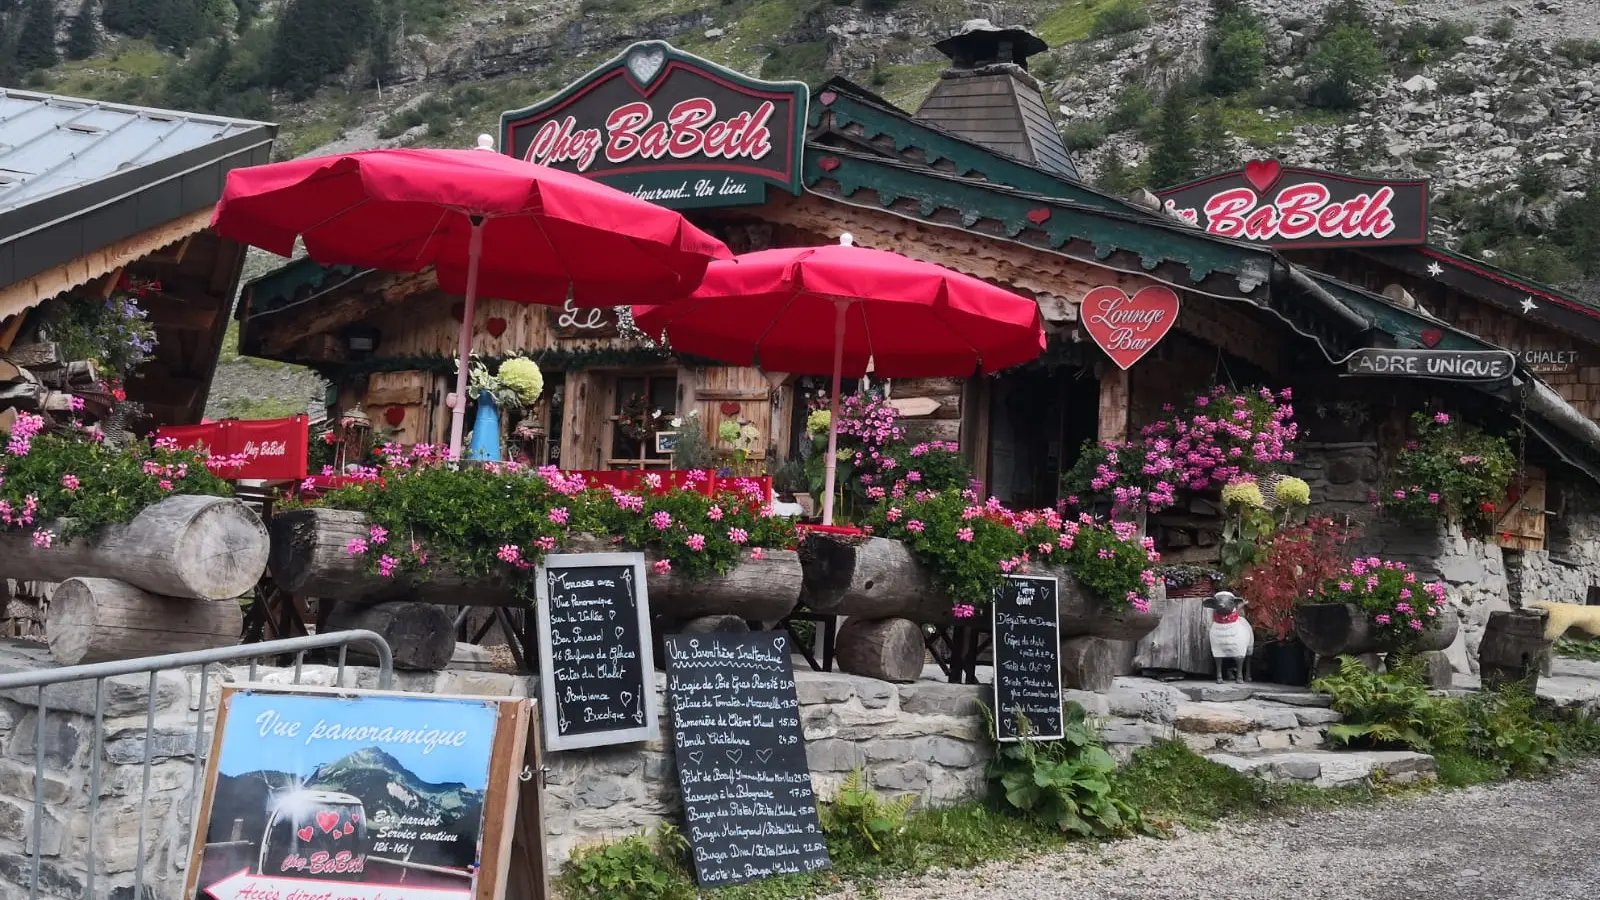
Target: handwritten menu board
[1027, 657]
[598, 676]
[742, 769]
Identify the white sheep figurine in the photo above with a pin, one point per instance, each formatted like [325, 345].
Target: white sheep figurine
[1232, 639]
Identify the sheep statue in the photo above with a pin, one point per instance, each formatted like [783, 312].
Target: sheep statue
[1232, 639]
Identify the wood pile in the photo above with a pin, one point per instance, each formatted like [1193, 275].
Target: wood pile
[36, 378]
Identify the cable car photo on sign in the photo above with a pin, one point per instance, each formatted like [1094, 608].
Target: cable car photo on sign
[669, 127]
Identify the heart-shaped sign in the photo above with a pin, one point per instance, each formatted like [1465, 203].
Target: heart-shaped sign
[1126, 328]
[730, 408]
[764, 755]
[827, 97]
[828, 163]
[394, 415]
[327, 821]
[304, 834]
[779, 643]
[1431, 337]
[645, 63]
[1039, 216]
[496, 326]
[1262, 173]
[734, 755]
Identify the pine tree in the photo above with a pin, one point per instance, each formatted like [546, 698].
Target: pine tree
[36, 41]
[1172, 158]
[83, 39]
[312, 41]
[1114, 177]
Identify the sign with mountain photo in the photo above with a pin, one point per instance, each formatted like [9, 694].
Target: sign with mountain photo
[669, 127]
[370, 795]
[1283, 206]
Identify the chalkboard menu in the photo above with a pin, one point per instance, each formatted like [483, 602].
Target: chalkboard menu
[598, 676]
[742, 768]
[1027, 657]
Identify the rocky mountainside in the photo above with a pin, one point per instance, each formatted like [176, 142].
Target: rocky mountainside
[1495, 100]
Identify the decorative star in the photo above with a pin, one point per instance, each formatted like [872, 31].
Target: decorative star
[1435, 269]
[1528, 305]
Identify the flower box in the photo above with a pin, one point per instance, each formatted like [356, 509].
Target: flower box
[1336, 629]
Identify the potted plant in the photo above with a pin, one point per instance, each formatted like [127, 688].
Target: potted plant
[1450, 472]
[1185, 581]
[1373, 605]
[1294, 564]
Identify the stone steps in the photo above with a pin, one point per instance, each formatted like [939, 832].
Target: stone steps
[1331, 768]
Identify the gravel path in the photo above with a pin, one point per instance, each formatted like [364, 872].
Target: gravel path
[1517, 841]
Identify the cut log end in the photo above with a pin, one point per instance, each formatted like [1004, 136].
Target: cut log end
[1090, 663]
[885, 649]
[421, 635]
[94, 620]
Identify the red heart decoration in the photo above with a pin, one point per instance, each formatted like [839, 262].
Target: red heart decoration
[1431, 337]
[1262, 173]
[394, 415]
[327, 821]
[1126, 328]
[729, 408]
[1038, 216]
[355, 818]
[828, 163]
[496, 326]
[827, 97]
[457, 310]
[349, 827]
[304, 834]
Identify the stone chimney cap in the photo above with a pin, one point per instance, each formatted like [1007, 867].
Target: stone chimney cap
[980, 43]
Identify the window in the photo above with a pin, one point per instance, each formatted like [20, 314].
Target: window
[642, 405]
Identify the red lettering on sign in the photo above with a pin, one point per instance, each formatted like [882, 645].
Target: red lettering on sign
[1126, 328]
[559, 141]
[1299, 211]
[690, 129]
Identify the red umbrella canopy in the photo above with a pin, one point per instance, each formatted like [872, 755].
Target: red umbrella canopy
[779, 309]
[545, 230]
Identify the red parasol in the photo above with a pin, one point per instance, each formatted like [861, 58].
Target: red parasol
[837, 308]
[490, 224]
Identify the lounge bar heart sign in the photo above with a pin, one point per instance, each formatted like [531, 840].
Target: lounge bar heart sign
[747, 801]
[1126, 328]
[1283, 206]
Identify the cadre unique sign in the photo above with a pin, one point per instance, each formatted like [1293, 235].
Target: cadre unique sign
[1027, 657]
[599, 681]
[1127, 328]
[361, 795]
[741, 757]
[1549, 362]
[1283, 206]
[1444, 365]
[669, 127]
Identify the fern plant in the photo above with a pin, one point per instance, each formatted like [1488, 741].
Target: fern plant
[1390, 709]
[857, 816]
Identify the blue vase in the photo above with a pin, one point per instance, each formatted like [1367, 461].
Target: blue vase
[486, 431]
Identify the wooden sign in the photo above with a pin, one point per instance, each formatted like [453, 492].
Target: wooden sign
[1468, 366]
[1522, 527]
[569, 322]
[1283, 206]
[1550, 362]
[1027, 658]
[594, 637]
[1126, 328]
[742, 769]
[362, 795]
[666, 441]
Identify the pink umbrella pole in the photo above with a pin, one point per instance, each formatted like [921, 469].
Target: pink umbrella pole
[458, 413]
[833, 414]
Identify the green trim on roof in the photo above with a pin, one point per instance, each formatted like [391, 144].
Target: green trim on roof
[294, 280]
[1508, 275]
[1404, 325]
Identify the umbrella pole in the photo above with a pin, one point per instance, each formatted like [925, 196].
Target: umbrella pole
[833, 415]
[458, 414]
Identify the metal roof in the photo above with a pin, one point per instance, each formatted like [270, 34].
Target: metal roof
[76, 175]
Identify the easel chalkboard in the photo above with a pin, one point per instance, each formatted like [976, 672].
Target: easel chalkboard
[1027, 657]
[742, 769]
[598, 684]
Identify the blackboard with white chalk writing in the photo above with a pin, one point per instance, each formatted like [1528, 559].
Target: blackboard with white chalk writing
[748, 807]
[1027, 658]
[598, 673]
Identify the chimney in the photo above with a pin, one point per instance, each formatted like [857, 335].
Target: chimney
[988, 96]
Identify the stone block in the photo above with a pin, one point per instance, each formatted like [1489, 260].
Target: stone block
[821, 687]
[128, 746]
[945, 751]
[888, 751]
[1199, 743]
[1231, 718]
[1312, 716]
[834, 756]
[1093, 704]
[16, 780]
[875, 694]
[935, 699]
[123, 695]
[54, 880]
[1274, 740]
[1297, 770]
[481, 684]
[1239, 743]
[1144, 698]
[1136, 734]
[66, 738]
[598, 793]
[909, 776]
[1296, 698]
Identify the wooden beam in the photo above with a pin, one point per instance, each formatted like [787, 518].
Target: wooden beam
[180, 313]
[1115, 395]
[108, 283]
[37, 288]
[280, 330]
[34, 356]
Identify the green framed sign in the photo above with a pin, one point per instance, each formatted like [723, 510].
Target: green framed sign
[671, 128]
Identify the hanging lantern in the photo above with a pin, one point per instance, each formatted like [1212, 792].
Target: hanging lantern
[354, 426]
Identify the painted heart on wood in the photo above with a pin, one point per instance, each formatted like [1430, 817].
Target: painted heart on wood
[496, 326]
[1038, 216]
[327, 821]
[395, 415]
[1126, 328]
[828, 163]
[827, 97]
[1262, 174]
[1431, 337]
[730, 408]
[645, 64]
[304, 834]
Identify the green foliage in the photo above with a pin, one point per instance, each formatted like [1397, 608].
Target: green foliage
[225, 77]
[1503, 727]
[1389, 709]
[1114, 177]
[1236, 48]
[83, 39]
[1451, 471]
[858, 818]
[1083, 136]
[1430, 42]
[1345, 66]
[1174, 158]
[173, 25]
[434, 111]
[1066, 784]
[1503, 29]
[1577, 648]
[1135, 109]
[1120, 17]
[115, 333]
[1578, 52]
[36, 40]
[802, 61]
[642, 867]
[1169, 783]
[317, 39]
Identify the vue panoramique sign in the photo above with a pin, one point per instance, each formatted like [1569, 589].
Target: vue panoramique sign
[1283, 206]
[1444, 365]
[670, 128]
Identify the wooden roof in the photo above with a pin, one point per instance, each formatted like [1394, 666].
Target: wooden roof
[1000, 107]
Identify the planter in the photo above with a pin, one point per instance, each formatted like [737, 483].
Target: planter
[1513, 648]
[1200, 589]
[1083, 615]
[1287, 662]
[485, 431]
[868, 577]
[1336, 629]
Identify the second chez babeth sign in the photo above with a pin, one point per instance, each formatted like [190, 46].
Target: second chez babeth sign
[670, 128]
[1282, 206]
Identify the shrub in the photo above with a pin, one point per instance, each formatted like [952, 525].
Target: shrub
[1173, 157]
[1503, 29]
[1579, 52]
[857, 819]
[1390, 709]
[642, 867]
[1238, 53]
[1135, 108]
[1064, 784]
[1420, 42]
[1451, 472]
[1120, 17]
[1345, 67]
[1294, 564]
[1083, 136]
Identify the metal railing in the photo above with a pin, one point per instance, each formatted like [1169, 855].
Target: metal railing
[154, 666]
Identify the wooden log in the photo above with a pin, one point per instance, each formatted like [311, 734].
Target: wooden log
[1436, 669]
[34, 356]
[421, 635]
[1083, 614]
[1089, 663]
[870, 578]
[885, 649]
[1514, 647]
[714, 624]
[94, 620]
[1336, 629]
[1181, 642]
[201, 548]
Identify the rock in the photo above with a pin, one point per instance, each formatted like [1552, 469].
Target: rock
[1419, 84]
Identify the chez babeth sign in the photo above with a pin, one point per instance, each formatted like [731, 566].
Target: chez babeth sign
[669, 127]
[1282, 206]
